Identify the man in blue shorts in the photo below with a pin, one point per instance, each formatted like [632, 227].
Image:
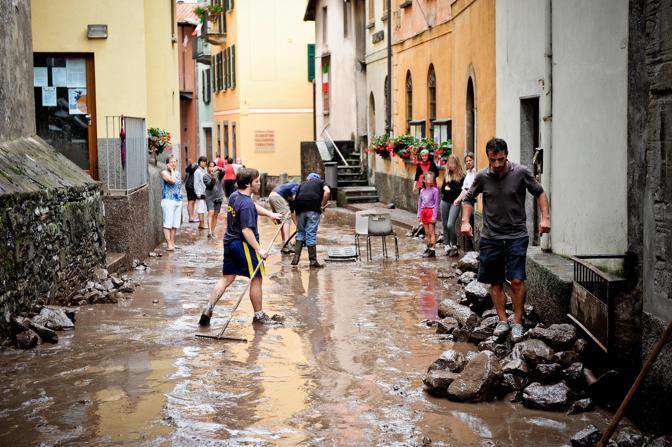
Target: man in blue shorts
[504, 239]
[242, 253]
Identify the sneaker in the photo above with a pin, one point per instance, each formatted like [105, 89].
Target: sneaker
[429, 253]
[424, 253]
[446, 250]
[516, 332]
[501, 328]
[453, 252]
[205, 316]
[289, 248]
[266, 320]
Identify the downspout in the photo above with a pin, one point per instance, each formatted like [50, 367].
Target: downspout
[388, 84]
[547, 142]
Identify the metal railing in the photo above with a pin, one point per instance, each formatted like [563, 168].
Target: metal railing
[124, 154]
[201, 50]
[331, 140]
[592, 279]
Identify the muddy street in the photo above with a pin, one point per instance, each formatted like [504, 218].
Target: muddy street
[346, 368]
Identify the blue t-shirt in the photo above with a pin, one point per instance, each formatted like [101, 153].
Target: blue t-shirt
[241, 213]
[287, 190]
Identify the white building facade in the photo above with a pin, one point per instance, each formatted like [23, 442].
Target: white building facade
[562, 87]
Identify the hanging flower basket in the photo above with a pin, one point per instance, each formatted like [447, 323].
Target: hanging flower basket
[212, 12]
[158, 141]
[382, 146]
[402, 146]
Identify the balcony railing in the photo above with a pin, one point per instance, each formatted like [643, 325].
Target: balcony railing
[123, 161]
[215, 30]
[201, 50]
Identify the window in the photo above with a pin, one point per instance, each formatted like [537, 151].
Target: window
[326, 61]
[442, 131]
[409, 100]
[324, 26]
[388, 88]
[206, 86]
[417, 129]
[227, 77]
[219, 84]
[431, 97]
[220, 23]
[370, 6]
[346, 18]
[233, 66]
[233, 140]
[311, 62]
[226, 138]
[219, 137]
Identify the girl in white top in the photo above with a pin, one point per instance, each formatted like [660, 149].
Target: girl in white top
[469, 177]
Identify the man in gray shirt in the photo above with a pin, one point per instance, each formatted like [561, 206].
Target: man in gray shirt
[504, 239]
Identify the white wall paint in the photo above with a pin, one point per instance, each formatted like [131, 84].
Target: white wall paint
[588, 155]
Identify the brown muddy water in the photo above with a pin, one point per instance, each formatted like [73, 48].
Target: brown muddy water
[345, 369]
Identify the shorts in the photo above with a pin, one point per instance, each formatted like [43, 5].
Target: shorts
[201, 207]
[427, 216]
[172, 213]
[191, 194]
[229, 187]
[241, 259]
[278, 204]
[214, 205]
[500, 258]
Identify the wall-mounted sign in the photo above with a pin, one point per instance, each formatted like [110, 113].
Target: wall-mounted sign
[264, 140]
[377, 36]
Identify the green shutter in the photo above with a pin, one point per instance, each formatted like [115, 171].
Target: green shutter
[233, 66]
[225, 68]
[311, 62]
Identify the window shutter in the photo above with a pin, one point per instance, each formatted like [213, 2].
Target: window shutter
[226, 68]
[221, 74]
[230, 5]
[233, 66]
[311, 62]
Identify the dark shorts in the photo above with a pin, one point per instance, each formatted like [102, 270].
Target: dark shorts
[191, 194]
[229, 187]
[502, 258]
[241, 259]
[214, 205]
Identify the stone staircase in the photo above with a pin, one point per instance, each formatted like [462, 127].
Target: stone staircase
[353, 185]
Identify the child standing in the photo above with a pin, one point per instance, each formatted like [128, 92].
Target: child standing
[428, 209]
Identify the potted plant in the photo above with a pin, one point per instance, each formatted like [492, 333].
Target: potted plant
[402, 145]
[420, 145]
[158, 141]
[382, 146]
[212, 12]
[442, 152]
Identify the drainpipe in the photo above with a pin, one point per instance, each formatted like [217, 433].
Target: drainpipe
[547, 142]
[388, 84]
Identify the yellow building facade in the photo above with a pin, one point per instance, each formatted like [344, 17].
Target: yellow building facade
[443, 78]
[131, 65]
[262, 98]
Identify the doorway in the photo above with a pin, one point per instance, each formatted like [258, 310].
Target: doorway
[65, 106]
[529, 142]
[208, 143]
[470, 118]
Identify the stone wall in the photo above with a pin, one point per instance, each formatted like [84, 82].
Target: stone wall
[17, 108]
[650, 196]
[398, 190]
[51, 227]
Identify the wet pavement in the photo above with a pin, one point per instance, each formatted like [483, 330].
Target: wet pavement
[345, 369]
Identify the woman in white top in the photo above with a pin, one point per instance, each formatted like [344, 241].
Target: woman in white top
[468, 181]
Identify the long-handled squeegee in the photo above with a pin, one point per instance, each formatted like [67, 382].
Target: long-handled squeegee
[220, 336]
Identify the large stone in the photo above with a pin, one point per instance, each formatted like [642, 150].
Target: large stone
[437, 381]
[493, 344]
[479, 380]
[465, 316]
[45, 333]
[26, 339]
[574, 374]
[557, 336]
[588, 437]
[629, 437]
[469, 262]
[446, 325]
[581, 406]
[514, 382]
[547, 397]
[547, 372]
[19, 324]
[451, 360]
[565, 358]
[517, 366]
[533, 351]
[477, 292]
[101, 274]
[662, 441]
[485, 328]
[53, 318]
[466, 278]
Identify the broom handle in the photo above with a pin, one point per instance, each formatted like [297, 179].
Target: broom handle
[259, 264]
[649, 363]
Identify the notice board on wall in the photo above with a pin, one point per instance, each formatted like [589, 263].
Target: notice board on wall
[264, 141]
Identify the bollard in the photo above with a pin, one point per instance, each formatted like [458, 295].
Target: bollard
[282, 178]
[263, 178]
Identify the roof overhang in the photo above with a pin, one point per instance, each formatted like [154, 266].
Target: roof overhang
[309, 15]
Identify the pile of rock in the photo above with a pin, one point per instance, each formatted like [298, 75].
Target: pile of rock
[626, 437]
[544, 371]
[104, 288]
[41, 327]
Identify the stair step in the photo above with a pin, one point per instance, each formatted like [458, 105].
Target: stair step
[356, 182]
[362, 199]
[346, 175]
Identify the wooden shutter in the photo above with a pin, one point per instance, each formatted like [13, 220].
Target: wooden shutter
[233, 66]
[311, 62]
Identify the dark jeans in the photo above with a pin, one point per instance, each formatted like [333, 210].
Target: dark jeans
[500, 258]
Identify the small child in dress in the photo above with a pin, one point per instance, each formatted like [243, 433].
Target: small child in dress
[428, 210]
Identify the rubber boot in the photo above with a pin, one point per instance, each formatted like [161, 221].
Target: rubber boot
[312, 255]
[298, 246]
